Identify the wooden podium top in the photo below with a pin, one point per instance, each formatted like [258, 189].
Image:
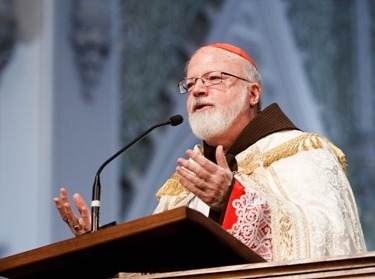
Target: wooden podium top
[358, 266]
[175, 240]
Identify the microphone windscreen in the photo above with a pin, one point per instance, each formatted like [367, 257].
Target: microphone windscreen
[176, 120]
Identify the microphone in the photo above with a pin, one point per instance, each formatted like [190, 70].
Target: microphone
[95, 203]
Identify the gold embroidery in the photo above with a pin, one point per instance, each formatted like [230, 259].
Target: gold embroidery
[171, 187]
[286, 236]
[248, 164]
[285, 229]
[340, 156]
[301, 143]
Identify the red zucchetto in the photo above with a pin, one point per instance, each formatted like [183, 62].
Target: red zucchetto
[235, 50]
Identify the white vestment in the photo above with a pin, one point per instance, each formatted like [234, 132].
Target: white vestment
[291, 199]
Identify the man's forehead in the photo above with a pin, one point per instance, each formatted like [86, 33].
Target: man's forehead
[207, 59]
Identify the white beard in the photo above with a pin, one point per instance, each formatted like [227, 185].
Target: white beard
[214, 122]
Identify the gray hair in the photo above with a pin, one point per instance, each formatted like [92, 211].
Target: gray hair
[253, 75]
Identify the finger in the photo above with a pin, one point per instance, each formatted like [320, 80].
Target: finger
[188, 165]
[193, 173]
[189, 178]
[191, 182]
[74, 222]
[70, 217]
[220, 157]
[183, 170]
[65, 210]
[64, 196]
[79, 202]
[60, 207]
[84, 211]
[59, 203]
[199, 164]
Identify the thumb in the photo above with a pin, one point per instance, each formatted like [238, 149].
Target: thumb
[220, 157]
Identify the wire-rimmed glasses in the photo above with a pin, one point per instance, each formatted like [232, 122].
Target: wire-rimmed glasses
[208, 79]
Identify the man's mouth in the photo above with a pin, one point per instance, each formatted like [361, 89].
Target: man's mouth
[201, 107]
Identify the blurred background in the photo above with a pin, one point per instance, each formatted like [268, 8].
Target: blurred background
[80, 79]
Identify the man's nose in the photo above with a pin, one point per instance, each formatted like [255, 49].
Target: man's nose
[199, 88]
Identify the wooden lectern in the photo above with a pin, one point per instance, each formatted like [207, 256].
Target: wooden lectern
[176, 240]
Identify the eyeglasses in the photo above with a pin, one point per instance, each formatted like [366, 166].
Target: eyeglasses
[208, 79]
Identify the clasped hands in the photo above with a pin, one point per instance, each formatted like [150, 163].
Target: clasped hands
[208, 181]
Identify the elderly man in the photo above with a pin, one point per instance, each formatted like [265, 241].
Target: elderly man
[281, 191]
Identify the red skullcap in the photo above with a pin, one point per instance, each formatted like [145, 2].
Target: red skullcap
[234, 49]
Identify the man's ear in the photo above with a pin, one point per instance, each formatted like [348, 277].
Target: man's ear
[255, 91]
